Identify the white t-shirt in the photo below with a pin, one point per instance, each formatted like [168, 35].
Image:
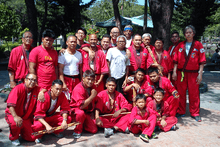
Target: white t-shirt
[71, 63]
[52, 105]
[128, 43]
[188, 45]
[118, 62]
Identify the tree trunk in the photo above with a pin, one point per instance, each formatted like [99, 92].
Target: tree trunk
[32, 18]
[145, 16]
[117, 15]
[161, 12]
[43, 23]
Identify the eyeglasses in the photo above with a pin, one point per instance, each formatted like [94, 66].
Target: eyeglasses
[121, 41]
[27, 37]
[32, 80]
[175, 36]
[115, 32]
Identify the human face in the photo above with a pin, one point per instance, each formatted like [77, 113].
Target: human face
[141, 103]
[175, 38]
[47, 42]
[27, 39]
[114, 33]
[56, 90]
[128, 34]
[121, 43]
[137, 41]
[158, 96]
[154, 77]
[111, 87]
[189, 34]
[158, 45]
[105, 43]
[139, 76]
[88, 81]
[93, 40]
[80, 35]
[146, 40]
[31, 81]
[71, 42]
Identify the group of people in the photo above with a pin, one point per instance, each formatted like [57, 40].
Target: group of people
[124, 84]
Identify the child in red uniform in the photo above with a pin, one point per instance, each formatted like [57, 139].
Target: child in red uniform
[112, 102]
[142, 119]
[164, 121]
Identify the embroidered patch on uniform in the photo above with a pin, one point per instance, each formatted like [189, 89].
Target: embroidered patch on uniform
[195, 49]
[202, 50]
[193, 55]
[180, 50]
[85, 55]
[22, 57]
[145, 54]
[165, 56]
[106, 103]
[34, 95]
[171, 84]
[173, 53]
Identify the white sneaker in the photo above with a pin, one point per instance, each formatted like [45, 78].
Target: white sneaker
[16, 142]
[108, 132]
[38, 140]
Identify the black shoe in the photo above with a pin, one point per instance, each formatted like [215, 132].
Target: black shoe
[180, 115]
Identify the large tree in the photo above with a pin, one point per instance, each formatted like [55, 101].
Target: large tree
[161, 12]
[117, 15]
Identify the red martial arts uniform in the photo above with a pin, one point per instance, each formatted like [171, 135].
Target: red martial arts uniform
[100, 65]
[79, 95]
[46, 63]
[138, 60]
[143, 128]
[170, 91]
[104, 107]
[195, 57]
[18, 63]
[165, 61]
[163, 111]
[24, 106]
[53, 118]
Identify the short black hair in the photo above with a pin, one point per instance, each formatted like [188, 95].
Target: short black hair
[141, 70]
[29, 74]
[88, 73]
[140, 96]
[48, 33]
[175, 32]
[106, 36]
[159, 90]
[83, 29]
[153, 69]
[57, 81]
[111, 79]
[160, 39]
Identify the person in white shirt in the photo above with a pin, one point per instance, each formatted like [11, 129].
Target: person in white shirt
[128, 31]
[70, 65]
[118, 63]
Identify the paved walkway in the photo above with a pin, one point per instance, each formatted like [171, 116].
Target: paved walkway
[190, 132]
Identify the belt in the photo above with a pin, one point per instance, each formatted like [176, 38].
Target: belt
[75, 76]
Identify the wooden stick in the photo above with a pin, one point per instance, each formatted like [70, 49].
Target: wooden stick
[134, 96]
[54, 129]
[113, 114]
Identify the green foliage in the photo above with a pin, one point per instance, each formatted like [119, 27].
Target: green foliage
[9, 46]
[9, 23]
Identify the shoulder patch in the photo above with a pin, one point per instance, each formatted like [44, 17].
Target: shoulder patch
[22, 57]
[202, 50]
[195, 50]
[85, 55]
[180, 50]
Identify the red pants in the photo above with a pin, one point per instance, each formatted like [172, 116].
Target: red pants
[86, 121]
[54, 121]
[71, 83]
[143, 127]
[171, 121]
[173, 105]
[189, 82]
[121, 122]
[25, 130]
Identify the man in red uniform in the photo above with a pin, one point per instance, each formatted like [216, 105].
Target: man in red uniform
[18, 62]
[146, 39]
[96, 63]
[138, 55]
[162, 57]
[21, 105]
[171, 95]
[46, 116]
[172, 49]
[112, 102]
[43, 60]
[105, 43]
[189, 62]
[83, 103]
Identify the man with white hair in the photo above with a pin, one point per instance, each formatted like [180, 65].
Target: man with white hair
[118, 63]
[146, 39]
[128, 31]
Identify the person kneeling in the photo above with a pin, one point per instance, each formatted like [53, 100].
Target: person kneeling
[142, 119]
[46, 116]
[164, 121]
[111, 103]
